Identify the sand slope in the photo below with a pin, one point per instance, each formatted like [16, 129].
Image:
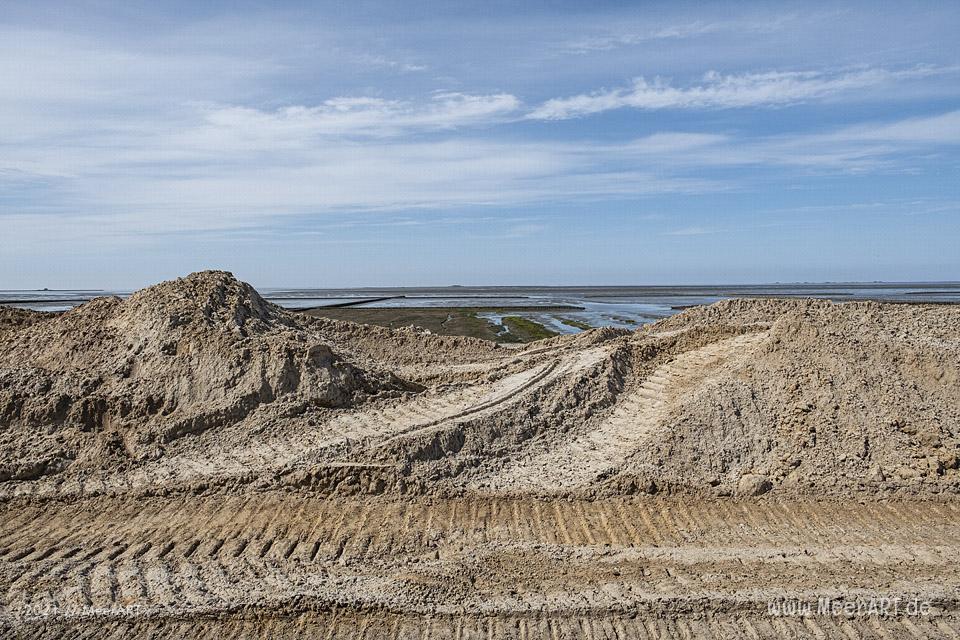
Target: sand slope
[831, 398]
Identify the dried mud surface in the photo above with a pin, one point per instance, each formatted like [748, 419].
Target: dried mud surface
[195, 461]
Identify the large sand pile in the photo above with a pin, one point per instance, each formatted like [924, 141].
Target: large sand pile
[114, 380]
[739, 398]
[834, 398]
[12, 319]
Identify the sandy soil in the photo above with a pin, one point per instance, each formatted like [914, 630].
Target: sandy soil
[195, 461]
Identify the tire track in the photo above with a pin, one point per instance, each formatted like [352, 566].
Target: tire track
[504, 393]
[600, 627]
[580, 561]
[635, 418]
[379, 425]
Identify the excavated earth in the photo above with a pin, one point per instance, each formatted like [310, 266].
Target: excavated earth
[194, 461]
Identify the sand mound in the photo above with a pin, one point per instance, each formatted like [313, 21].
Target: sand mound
[13, 319]
[200, 381]
[116, 378]
[828, 399]
[742, 397]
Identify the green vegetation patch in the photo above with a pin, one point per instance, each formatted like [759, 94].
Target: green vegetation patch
[446, 321]
[524, 330]
[578, 324]
[450, 321]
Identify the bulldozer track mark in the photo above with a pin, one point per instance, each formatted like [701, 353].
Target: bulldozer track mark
[494, 401]
[634, 419]
[505, 391]
[427, 411]
[92, 559]
[617, 522]
[374, 425]
[188, 552]
[359, 627]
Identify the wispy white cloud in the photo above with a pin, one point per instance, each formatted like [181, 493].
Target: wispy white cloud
[896, 206]
[363, 116]
[383, 61]
[121, 130]
[193, 133]
[120, 190]
[719, 91]
[939, 129]
[129, 184]
[870, 146]
[43, 67]
[520, 231]
[677, 31]
[691, 231]
[674, 141]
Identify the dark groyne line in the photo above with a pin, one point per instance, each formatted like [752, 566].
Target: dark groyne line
[43, 300]
[352, 303]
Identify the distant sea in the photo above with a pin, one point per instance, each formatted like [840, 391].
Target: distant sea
[596, 306]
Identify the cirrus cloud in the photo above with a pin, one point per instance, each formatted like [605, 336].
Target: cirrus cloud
[719, 91]
[367, 116]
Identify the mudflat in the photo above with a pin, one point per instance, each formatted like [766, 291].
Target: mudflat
[194, 460]
[450, 321]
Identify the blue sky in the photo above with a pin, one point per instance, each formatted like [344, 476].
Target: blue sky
[350, 144]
